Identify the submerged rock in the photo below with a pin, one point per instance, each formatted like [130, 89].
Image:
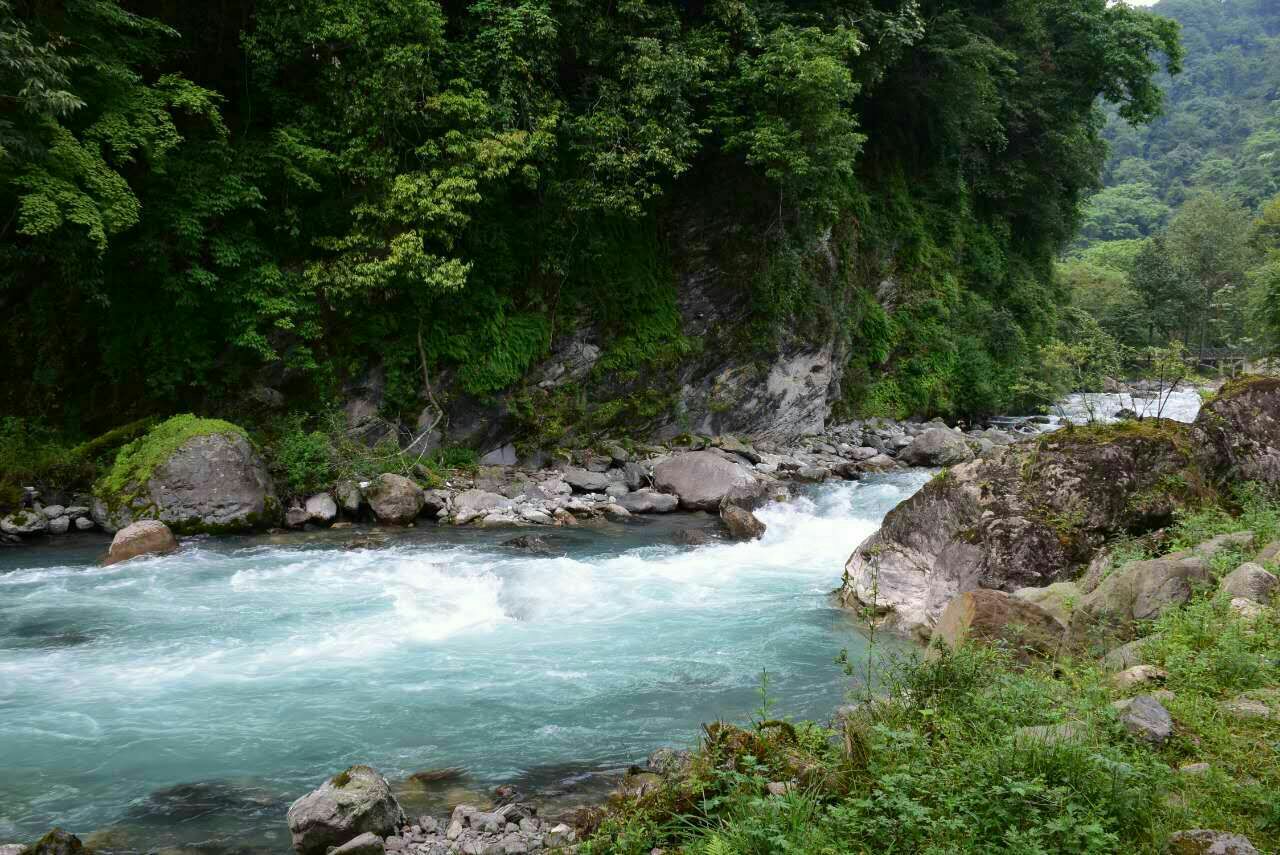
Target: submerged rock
[145, 537]
[703, 479]
[349, 804]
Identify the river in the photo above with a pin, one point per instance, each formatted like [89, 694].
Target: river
[187, 699]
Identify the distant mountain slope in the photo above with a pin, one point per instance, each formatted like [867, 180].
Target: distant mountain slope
[1221, 128]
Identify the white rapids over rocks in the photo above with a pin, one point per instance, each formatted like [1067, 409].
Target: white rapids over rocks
[188, 698]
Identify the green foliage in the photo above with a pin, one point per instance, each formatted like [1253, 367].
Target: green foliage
[189, 194]
[303, 460]
[135, 461]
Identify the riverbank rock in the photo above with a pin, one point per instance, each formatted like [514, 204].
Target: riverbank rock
[703, 479]
[1240, 430]
[1202, 841]
[321, 509]
[349, 804]
[1137, 591]
[395, 499]
[649, 502]
[994, 617]
[938, 446]
[196, 475]
[1025, 515]
[24, 523]
[741, 523]
[1249, 581]
[145, 537]
[56, 842]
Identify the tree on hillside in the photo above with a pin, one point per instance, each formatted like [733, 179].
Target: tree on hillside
[1210, 239]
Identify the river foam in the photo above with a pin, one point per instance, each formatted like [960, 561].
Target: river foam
[258, 666]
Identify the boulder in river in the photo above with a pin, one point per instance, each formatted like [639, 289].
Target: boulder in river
[937, 446]
[741, 523]
[703, 479]
[1026, 515]
[56, 842]
[347, 805]
[649, 502]
[196, 475]
[145, 537]
[395, 499]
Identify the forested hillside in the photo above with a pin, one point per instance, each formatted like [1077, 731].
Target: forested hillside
[1182, 242]
[261, 204]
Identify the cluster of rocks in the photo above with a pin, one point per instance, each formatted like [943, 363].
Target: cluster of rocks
[1032, 514]
[356, 813]
[35, 517]
[707, 474]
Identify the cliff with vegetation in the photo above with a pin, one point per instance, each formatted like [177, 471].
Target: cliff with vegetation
[473, 223]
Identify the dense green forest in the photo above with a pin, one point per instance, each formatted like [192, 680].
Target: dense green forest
[197, 199]
[1183, 242]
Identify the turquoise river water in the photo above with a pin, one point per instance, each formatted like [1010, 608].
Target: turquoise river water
[184, 701]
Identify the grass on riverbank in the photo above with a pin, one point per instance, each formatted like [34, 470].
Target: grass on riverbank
[941, 762]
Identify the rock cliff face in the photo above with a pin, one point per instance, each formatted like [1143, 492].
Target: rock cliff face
[1036, 512]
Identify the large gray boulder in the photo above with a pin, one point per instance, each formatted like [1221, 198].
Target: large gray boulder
[585, 481]
[1138, 591]
[145, 537]
[993, 617]
[741, 523]
[937, 446]
[1024, 516]
[395, 499]
[1250, 582]
[649, 502]
[704, 479]
[1240, 431]
[349, 804]
[214, 482]
[1147, 719]
[476, 504]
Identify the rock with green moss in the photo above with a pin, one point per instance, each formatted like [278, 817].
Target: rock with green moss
[197, 475]
[24, 523]
[1240, 430]
[1027, 515]
[349, 804]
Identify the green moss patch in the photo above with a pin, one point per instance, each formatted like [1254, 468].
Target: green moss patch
[136, 461]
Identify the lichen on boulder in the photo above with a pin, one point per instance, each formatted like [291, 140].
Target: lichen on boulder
[196, 475]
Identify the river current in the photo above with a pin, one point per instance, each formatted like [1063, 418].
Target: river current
[185, 700]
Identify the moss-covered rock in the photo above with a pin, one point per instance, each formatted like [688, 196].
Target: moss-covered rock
[1239, 430]
[197, 475]
[1027, 515]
